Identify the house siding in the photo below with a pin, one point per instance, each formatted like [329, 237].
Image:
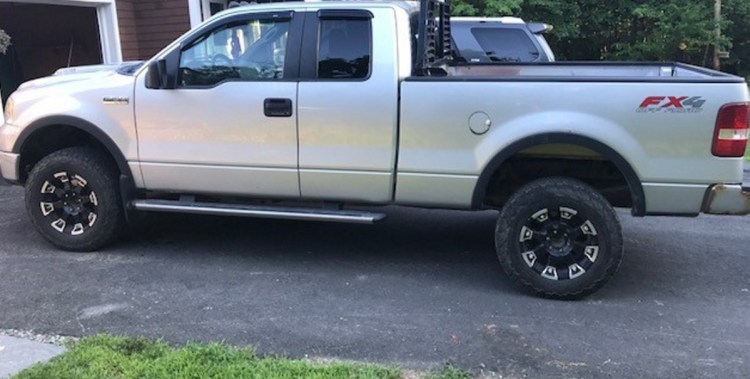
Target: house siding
[128, 30]
[147, 26]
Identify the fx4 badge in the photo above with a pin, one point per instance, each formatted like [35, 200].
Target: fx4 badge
[672, 104]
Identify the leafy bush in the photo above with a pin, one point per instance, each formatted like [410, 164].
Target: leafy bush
[4, 41]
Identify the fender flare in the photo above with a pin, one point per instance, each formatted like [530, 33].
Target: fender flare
[127, 184]
[632, 179]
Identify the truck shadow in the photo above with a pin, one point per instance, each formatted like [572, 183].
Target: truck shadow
[443, 246]
[446, 245]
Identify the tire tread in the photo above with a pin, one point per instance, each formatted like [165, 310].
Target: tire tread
[111, 219]
[570, 188]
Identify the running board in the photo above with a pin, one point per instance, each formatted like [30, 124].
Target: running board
[289, 213]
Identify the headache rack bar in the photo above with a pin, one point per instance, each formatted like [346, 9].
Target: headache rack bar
[434, 48]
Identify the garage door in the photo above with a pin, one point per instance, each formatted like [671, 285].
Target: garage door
[45, 38]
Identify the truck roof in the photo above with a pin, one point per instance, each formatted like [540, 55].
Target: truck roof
[408, 6]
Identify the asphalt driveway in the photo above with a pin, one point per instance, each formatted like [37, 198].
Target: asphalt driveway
[420, 289]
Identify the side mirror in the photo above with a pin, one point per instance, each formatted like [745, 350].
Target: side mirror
[156, 75]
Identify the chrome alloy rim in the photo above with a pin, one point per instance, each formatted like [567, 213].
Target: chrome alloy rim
[559, 243]
[69, 204]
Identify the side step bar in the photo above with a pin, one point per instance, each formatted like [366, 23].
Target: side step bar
[290, 213]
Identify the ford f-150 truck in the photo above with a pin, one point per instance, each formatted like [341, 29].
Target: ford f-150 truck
[307, 111]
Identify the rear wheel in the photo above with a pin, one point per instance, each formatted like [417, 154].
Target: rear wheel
[559, 238]
[72, 197]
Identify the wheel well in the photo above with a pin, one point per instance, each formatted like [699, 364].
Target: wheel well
[47, 140]
[601, 170]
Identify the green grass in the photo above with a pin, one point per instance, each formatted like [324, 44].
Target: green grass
[123, 358]
[747, 154]
[449, 372]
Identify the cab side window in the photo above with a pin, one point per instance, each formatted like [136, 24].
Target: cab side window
[247, 50]
[344, 51]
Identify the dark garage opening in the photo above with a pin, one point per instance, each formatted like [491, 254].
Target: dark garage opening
[46, 38]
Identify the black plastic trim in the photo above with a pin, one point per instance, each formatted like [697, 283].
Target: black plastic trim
[293, 47]
[78, 123]
[127, 195]
[667, 214]
[349, 14]
[634, 183]
[573, 79]
[702, 70]
[308, 67]
[218, 23]
[277, 107]
[127, 184]
[712, 75]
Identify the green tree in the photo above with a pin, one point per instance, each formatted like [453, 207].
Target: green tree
[489, 8]
[737, 29]
[648, 30]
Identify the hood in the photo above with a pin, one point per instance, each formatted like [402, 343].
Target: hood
[81, 73]
[129, 66]
[52, 80]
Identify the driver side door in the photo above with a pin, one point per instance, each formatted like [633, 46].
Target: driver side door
[229, 127]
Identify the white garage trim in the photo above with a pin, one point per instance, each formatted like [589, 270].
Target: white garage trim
[206, 6]
[109, 33]
[196, 12]
[200, 10]
[106, 13]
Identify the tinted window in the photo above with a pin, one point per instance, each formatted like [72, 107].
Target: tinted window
[466, 45]
[344, 49]
[251, 50]
[505, 45]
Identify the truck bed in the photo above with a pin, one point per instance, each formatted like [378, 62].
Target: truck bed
[591, 71]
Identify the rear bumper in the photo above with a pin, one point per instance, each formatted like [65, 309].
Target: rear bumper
[9, 166]
[727, 199]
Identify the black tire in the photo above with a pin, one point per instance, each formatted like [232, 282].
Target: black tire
[73, 199]
[559, 238]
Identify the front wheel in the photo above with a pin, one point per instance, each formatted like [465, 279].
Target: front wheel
[559, 238]
[73, 200]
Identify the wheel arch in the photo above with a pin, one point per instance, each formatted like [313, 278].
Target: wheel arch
[34, 130]
[631, 177]
[39, 126]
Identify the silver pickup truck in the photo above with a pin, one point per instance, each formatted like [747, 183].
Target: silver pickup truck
[307, 111]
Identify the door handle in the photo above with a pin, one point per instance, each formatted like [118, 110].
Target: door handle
[277, 107]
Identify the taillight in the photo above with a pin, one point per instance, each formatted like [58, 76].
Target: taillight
[730, 136]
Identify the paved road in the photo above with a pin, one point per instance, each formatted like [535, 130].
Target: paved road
[421, 288]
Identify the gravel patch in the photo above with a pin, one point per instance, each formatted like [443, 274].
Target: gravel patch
[43, 338]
